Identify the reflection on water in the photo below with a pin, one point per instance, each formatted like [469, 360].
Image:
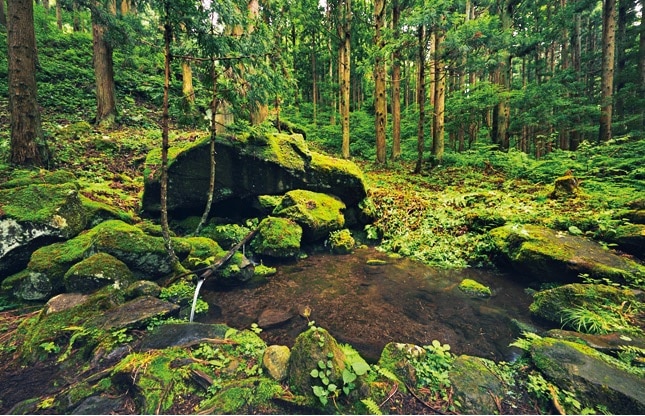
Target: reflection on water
[368, 306]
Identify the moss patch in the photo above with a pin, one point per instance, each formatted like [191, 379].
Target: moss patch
[277, 237]
[318, 214]
[474, 288]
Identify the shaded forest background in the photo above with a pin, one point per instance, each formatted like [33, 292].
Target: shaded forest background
[403, 78]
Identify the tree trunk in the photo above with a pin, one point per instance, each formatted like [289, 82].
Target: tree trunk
[421, 96]
[104, 73]
[641, 62]
[3, 16]
[344, 31]
[396, 83]
[187, 84]
[165, 229]
[259, 111]
[438, 128]
[28, 147]
[59, 15]
[76, 20]
[501, 112]
[314, 86]
[380, 99]
[607, 78]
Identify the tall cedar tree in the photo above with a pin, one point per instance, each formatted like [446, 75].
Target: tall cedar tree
[607, 78]
[380, 98]
[103, 69]
[28, 146]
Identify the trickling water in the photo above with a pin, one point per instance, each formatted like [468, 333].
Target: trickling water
[368, 306]
[200, 282]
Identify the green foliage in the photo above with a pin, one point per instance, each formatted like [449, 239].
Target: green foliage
[432, 368]
[182, 293]
[599, 318]
[372, 406]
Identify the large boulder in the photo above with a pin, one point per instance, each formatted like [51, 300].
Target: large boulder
[277, 237]
[36, 212]
[554, 256]
[595, 378]
[630, 238]
[476, 383]
[247, 167]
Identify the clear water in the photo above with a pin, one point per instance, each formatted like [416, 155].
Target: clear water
[371, 305]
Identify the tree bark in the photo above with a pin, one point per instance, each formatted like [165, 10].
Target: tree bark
[641, 62]
[396, 83]
[28, 147]
[380, 99]
[344, 62]
[103, 71]
[607, 78]
[187, 88]
[438, 128]
[421, 96]
[59, 16]
[501, 112]
[3, 15]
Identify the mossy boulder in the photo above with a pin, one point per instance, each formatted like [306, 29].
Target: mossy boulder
[143, 254]
[594, 378]
[34, 215]
[276, 361]
[315, 349]
[565, 187]
[586, 307]
[95, 272]
[247, 167]
[553, 256]
[474, 288]
[318, 214]
[475, 382]
[630, 238]
[341, 241]
[396, 358]
[277, 237]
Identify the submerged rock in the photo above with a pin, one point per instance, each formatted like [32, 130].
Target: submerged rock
[474, 288]
[247, 167]
[554, 256]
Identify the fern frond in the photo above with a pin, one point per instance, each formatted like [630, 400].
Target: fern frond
[388, 374]
[371, 405]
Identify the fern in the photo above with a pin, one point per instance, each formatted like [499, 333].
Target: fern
[388, 374]
[371, 405]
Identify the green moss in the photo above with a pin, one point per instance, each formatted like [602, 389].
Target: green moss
[324, 163]
[98, 212]
[277, 237]
[204, 251]
[474, 288]
[95, 272]
[341, 241]
[244, 397]
[22, 178]
[290, 151]
[317, 213]
[264, 271]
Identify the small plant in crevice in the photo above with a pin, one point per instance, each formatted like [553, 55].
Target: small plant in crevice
[432, 369]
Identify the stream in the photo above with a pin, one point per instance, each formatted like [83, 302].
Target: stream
[368, 306]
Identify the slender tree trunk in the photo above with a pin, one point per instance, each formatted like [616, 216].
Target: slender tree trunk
[620, 78]
[641, 62]
[438, 128]
[3, 16]
[314, 86]
[46, 5]
[59, 15]
[380, 99]
[607, 79]
[104, 73]
[421, 96]
[125, 7]
[187, 87]
[576, 53]
[76, 20]
[28, 147]
[345, 54]
[501, 112]
[396, 83]
[165, 228]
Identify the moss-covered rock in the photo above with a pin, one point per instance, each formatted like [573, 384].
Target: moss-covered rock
[35, 215]
[396, 356]
[475, 385]
[269, 164]
[276, 361]
[594, 378]
[143, 254]
[565, 187]
[474, 288]
[318, 214]
[554, 256]
[277, 237]
[630, 238]
[315, 349]
[96, 271]
[341, 241]
[589, 308]
[247, 396]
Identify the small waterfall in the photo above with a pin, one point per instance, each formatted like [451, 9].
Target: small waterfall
[192, 309]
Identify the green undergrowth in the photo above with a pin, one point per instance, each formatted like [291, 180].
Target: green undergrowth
[441, 216]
